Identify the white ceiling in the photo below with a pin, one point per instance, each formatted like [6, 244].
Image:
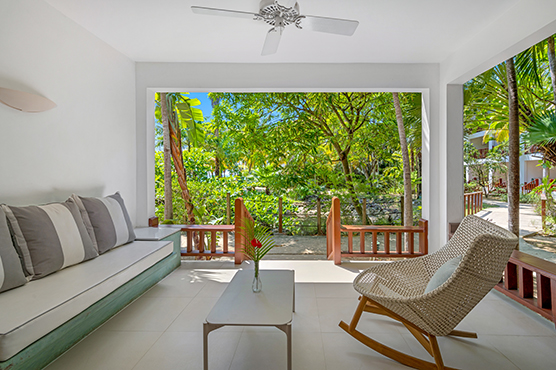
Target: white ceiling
[390, 31]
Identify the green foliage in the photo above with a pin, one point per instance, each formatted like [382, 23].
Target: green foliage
[266, 145]
[542, 129]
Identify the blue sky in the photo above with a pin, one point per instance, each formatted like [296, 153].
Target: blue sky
[205, 106]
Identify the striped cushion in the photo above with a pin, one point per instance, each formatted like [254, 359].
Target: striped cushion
[11, 271]
[108, 219]
[50, 237]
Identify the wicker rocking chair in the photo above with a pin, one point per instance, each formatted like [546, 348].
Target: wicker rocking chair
[397, 289]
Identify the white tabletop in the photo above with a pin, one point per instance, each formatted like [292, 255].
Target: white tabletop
[155, 233]
[238, 305]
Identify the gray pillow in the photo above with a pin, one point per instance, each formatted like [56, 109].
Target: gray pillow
[108, 219]
[443, 274]
[49, 237]
[11, 271]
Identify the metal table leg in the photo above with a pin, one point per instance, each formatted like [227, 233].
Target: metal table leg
[287, 329]
[207, 328]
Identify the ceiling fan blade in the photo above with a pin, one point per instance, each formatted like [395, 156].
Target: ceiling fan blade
[337, 26]
[222, 12]
[272, 41]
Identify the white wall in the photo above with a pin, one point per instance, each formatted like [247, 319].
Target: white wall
[87, 143]
[523, 25]
[422, 78]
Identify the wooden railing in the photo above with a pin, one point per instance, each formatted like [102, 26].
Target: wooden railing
[529, 186]
[199, 249]
[334, 230]
[472, 202]
[518, 283]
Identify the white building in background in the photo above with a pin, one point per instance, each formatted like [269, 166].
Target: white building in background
[530, 164]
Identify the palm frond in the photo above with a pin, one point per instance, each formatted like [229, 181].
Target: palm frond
[542, 129]
[263, 234]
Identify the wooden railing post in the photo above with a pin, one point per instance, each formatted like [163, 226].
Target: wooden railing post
[280, 215]
[239, 224]
[335, 230]
[153, 222]
[424, 237]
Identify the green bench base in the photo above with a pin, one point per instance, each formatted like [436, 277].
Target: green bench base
[48, 348]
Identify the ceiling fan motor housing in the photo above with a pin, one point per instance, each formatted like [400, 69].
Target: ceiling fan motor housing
[272, 12]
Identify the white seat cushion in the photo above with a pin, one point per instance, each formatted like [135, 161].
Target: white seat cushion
[32, 311]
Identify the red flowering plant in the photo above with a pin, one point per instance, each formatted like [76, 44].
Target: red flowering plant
[258, 240]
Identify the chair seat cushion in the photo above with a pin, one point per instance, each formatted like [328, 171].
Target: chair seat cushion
[35, 309]
[443, 274]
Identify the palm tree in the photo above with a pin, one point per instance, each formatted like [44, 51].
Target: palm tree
[513, 148]
[408, 198]
[552, 64]
[180, 114]
[168, 205]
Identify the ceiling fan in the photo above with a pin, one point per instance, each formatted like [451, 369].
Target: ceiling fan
[280, 15]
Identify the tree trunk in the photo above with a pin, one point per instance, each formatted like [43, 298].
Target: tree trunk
[552, 64]
[513, 149]
[408, 199]
[177, 155]
[168, 204]
[343, 157]
[217, 171]
[351, 185]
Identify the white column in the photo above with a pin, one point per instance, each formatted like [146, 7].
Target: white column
[453, 119]
[522, 170]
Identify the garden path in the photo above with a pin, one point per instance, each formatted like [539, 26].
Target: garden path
[529, 223]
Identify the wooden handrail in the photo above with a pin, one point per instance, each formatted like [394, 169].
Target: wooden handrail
[518, 283]
[241, 214]
[200, 250]
[528, 187]
[472, 202]
[334, 228]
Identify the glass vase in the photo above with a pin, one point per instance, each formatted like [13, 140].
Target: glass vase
[257, 284]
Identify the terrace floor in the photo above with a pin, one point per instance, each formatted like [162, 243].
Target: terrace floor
[162, 329]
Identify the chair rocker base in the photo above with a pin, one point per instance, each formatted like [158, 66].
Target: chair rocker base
[428, 341]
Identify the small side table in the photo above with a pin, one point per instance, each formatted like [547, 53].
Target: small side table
[239, 306]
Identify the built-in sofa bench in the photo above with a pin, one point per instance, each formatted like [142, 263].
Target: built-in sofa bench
[42, 319]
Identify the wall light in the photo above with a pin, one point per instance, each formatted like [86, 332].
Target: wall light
[25, 102]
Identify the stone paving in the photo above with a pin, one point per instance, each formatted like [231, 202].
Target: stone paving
[529, 222]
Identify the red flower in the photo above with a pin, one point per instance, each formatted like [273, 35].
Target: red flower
[256, 243]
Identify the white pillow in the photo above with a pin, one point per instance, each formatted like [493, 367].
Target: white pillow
[443, 274]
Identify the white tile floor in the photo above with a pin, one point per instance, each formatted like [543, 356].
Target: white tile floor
[162, 330]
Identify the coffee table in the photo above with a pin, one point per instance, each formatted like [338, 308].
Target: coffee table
[239, 306]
